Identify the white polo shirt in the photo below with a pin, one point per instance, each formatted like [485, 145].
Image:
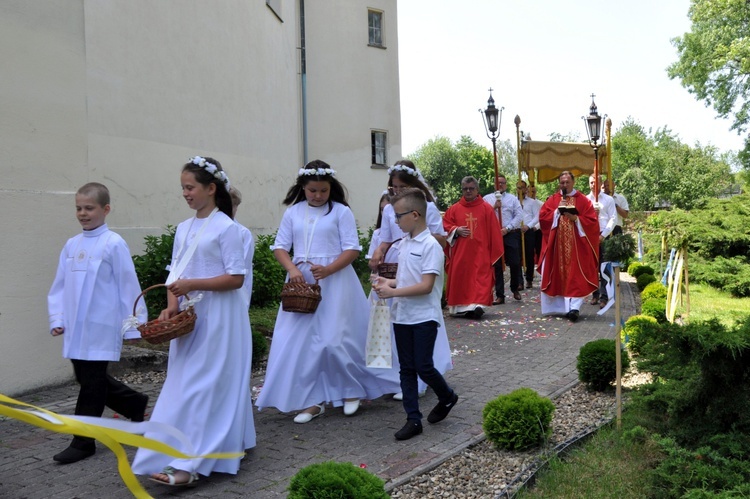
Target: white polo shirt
[418, 256]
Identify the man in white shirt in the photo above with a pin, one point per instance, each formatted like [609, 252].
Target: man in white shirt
[605, 209]
[511, 219]
[621, 206]
[530, 229]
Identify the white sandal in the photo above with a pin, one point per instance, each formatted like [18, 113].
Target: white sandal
[170, 473]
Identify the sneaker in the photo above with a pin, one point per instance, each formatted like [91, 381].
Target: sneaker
[410, 429]
[441, 410]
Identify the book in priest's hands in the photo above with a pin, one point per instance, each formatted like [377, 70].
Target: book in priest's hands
[563, 208]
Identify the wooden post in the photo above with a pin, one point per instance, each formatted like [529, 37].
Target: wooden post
[618, 352]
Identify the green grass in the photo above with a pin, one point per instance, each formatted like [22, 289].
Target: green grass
[707, 302]
[263, 319]
[606, 466]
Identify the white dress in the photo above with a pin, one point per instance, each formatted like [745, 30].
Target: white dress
[207, 391]
[389, 232]
[319, 357]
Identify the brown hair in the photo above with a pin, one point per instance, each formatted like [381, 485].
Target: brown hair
[96, 191]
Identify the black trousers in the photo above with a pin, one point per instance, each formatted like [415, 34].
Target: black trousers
[601, 293]
[512, 259]
[532, 241]
[99, 389]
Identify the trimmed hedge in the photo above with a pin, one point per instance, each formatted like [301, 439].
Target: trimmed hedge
[518, 420]
[597, 363]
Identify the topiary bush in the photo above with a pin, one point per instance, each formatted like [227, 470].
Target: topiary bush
[644, 280]
[260, 348]
[640, 270]
[518, 420]
[597, 363]
[655, 308]
[151, 268]
[333, 480]
[638, 330]
[654, 290]
[633, 266]
[268, 274]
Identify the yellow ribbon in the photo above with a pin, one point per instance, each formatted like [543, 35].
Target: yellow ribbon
[110, 437]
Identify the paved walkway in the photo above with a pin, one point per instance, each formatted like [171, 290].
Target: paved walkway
[511, 347]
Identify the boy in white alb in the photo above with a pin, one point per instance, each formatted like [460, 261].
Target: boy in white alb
[416, 310]
[91, 296]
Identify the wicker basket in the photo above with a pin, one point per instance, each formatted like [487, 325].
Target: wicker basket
[300, 297]
[157, 331]
[387, 270]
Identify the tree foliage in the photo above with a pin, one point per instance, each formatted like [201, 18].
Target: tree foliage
[657, 170]
[714, 60]
[443, 164]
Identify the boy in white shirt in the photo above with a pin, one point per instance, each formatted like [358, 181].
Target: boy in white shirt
[91, 296]
[416, 310]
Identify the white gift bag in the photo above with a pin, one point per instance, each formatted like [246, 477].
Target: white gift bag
[378, 349]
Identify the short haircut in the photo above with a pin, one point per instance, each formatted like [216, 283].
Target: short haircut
[566, 172]
[413, 199]
[469, 180]
[236, 196]
[95, 191]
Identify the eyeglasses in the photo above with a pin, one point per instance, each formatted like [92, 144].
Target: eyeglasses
[468, 189]
[399, 215]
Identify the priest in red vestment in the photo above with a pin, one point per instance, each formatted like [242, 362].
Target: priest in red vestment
[475, 245]
[570, 250]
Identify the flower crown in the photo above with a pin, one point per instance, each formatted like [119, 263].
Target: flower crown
[316, 171]
[210, 168]
[403, 168]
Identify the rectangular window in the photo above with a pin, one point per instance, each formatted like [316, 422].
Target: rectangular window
[378, 140]
[375, 26]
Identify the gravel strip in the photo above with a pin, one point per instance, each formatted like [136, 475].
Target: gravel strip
[483, 471]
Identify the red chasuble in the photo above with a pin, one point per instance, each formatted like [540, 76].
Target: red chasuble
[469, 259]
[568, 259]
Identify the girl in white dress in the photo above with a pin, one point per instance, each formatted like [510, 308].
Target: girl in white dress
[207, 391]
[318, 359]
[403, 174]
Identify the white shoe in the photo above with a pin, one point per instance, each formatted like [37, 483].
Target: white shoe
[350, 407]
[306, 417]
[400, 395]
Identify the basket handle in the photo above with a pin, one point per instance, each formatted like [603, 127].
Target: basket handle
[146, 291]
[305, 261]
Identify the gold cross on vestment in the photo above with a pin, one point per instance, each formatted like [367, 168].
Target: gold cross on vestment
[471, 223]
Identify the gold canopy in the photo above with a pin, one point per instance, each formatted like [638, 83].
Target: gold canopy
[544, 161]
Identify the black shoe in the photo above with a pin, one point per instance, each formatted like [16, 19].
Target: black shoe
[477, 313]
[441, 410]
[572, 315]
[141, 414]
[73, 455]
[529, 284]
[516, 295]
[410, 429]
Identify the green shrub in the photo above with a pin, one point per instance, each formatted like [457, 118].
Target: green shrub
[151, 268]
[597, 363]
[655, 308]
[654, 290]
[260, 348]
[644, 280]
[640, 270]
[268, 274]
[518, 420]
[633, 266]
[638, 330]
[333, 480]
[618, 248]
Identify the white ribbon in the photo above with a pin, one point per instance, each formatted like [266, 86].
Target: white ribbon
[191, 301]
[131, 322]
[609, 284]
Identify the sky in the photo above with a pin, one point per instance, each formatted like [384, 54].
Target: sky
[543, 59]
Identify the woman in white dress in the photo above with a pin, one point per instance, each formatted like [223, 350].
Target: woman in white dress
[207, 391]
[318, 359]
[403, 174]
